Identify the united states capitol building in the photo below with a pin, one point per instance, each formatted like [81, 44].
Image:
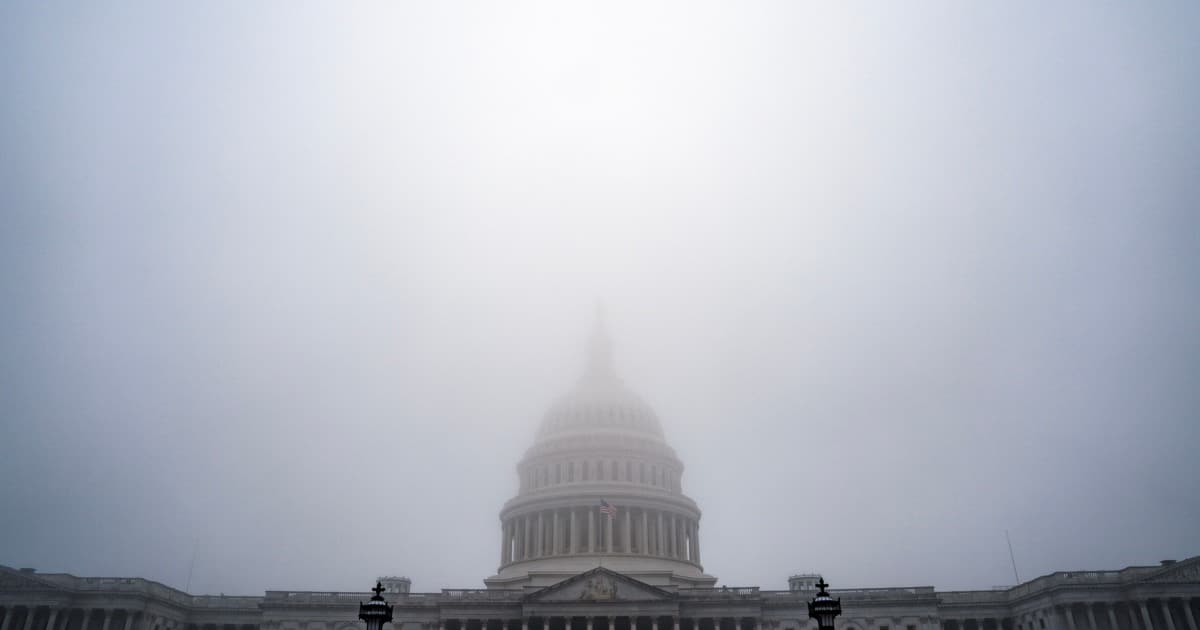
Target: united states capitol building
[600, 536]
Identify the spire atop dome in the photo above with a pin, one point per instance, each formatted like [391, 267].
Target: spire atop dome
[599, 366]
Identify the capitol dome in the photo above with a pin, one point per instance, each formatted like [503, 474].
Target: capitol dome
[600, 486]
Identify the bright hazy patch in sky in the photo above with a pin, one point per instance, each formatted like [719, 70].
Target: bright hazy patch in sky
[897, 277]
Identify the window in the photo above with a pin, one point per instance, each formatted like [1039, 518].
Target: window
[1043, 623]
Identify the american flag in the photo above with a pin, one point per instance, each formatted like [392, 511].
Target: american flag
[605, 508]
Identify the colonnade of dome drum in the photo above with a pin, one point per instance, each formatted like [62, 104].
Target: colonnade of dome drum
[539, 475]
[569, 531]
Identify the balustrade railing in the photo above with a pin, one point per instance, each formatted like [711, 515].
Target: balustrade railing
[316, 597]
[483, 594]
[722, 592]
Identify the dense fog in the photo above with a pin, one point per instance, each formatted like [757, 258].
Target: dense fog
[287, 287]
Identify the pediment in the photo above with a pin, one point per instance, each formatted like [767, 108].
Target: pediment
[1186, 571]
[600, 585]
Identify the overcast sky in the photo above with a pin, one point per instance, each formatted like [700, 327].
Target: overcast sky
[286, 284]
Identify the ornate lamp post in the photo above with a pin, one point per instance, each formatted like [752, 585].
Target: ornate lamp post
[376, 612]
[824, 608]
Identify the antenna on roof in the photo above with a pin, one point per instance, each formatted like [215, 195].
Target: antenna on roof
[188, 589]
[1012, 557]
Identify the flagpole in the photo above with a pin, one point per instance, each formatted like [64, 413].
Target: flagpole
[602, 540]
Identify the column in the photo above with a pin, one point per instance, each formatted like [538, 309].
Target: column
[680, 538]
[524, 623]
[1145, 615]
[554, 539]
[675, 623]
[1187, 614]
[591, 542]
[1133, 622]
[660, 537]
[527, 552]
[645, 538]
[696, 538]
[107, 617]
[625, 537]
[503, 545]
[608, 548]
[1091, 617]
[1112, 617]
[1067, 610]
[52, 619]
[31, 612]
[8, 614]
[539, 547]
[573, 535]
[653, 623]
[1167, 614]
[589, 623]
[671, 537]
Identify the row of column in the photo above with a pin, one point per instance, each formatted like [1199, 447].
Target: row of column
[641, 622]
[1168, 613]
[538, 476]
[56, 618]
[1139, 614]
[585, 530]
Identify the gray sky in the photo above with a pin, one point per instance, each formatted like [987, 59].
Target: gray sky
[288, 283]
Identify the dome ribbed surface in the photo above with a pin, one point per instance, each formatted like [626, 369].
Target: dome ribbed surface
[600, 407]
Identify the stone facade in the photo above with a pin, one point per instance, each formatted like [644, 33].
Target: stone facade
[1136, 598]
[600, 536]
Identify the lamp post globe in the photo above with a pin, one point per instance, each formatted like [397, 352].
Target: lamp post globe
[824, 608]
[375, 611]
